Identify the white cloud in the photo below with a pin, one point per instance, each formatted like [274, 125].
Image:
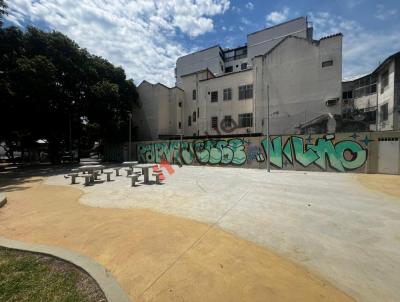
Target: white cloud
[236, 9]
[276, 17]
[249, 6]
[383, 13]
[138, 35]
[363, 49]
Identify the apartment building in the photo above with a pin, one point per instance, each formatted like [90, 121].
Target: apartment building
[372, 102]
[281, 77]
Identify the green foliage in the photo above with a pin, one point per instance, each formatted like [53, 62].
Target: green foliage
[30, 277]
[49, 84]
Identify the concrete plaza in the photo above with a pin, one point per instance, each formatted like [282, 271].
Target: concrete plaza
[223, 234]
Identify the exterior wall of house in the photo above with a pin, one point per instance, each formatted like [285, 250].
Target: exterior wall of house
[386, 96]
[209, 58]
[222, 108]
[159, 114]
[299, 87]
[260, 42]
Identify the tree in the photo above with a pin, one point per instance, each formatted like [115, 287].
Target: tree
[49, 86]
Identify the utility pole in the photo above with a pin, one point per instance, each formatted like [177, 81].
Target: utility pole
[269, 144]
[130, 135]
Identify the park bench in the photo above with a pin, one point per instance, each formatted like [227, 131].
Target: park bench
[108, 173]
[157, 175]
[128, 171]
[116, 171]
[73, 177]
[134, 178]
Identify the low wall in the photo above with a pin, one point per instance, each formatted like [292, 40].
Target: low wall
[341, 152]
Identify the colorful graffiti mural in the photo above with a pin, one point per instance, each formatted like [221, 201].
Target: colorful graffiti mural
[325, 152]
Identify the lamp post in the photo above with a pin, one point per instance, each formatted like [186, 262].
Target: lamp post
[130, 135]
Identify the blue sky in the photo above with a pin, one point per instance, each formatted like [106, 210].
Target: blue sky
[146, 37]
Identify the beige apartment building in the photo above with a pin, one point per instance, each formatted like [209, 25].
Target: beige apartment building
[281, 77]
[372, 102]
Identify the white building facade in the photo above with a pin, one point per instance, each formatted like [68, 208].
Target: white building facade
[281, 77]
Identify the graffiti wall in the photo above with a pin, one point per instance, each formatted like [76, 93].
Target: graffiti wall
[319, 152]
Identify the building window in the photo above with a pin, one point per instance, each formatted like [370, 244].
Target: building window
[198, 111]
[214, 122]
[194, 94]
[180, 125]
[228, 69]
[384, 112]
[245, 120]
[227, 94]
[384, 80]
[194, 116]
[189, 121]
[327, 63]
[214, 96]
[347, 95]
[245, 92]
[243, 66]
[228, 121]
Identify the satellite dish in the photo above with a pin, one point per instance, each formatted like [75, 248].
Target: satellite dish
[359, 117]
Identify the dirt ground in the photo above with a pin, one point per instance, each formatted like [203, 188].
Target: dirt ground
[389, 184]
[154, 256]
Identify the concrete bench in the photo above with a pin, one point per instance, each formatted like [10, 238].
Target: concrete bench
[73, 177]
[157, 175]
[133, 178]
[88, 178]
[108, 173]
[116, 171]
[95, 175]
[129, 171]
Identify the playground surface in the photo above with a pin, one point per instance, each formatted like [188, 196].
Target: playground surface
[224, 234]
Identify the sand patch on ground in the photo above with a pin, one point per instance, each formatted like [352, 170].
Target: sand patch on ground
[389, 184]
[159, 257]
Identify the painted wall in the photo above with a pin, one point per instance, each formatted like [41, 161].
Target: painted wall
[340, 153]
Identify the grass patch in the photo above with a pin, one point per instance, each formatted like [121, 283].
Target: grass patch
[26, 276]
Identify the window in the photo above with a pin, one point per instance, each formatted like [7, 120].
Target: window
[227, 94]
[214, 122]
[194, 94]
[189, 121]
[180, 125]
[243, 66]
[194, 116]
[228, 69]
[214, 96]
[327, 63]
[347, 95]
[198, 111]
[384, 112]
[331, 102]
[246, 120]
[180, 104]
[384, 80]
[245, 92]
[228, 121]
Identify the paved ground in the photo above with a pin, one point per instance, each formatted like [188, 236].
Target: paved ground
[154, 256]
[329, 223]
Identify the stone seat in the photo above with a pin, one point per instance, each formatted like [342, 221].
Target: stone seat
[134, 179]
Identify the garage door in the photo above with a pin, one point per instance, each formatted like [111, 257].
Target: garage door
[389, 155]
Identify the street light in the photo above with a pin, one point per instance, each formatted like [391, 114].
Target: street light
[130, 136]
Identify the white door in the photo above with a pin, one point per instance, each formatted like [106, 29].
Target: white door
[389, 155]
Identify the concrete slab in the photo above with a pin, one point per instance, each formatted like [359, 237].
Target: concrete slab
[159, 257]
[327, 222]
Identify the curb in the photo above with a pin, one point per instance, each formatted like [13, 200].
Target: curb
[105, 280]
[3, 200]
